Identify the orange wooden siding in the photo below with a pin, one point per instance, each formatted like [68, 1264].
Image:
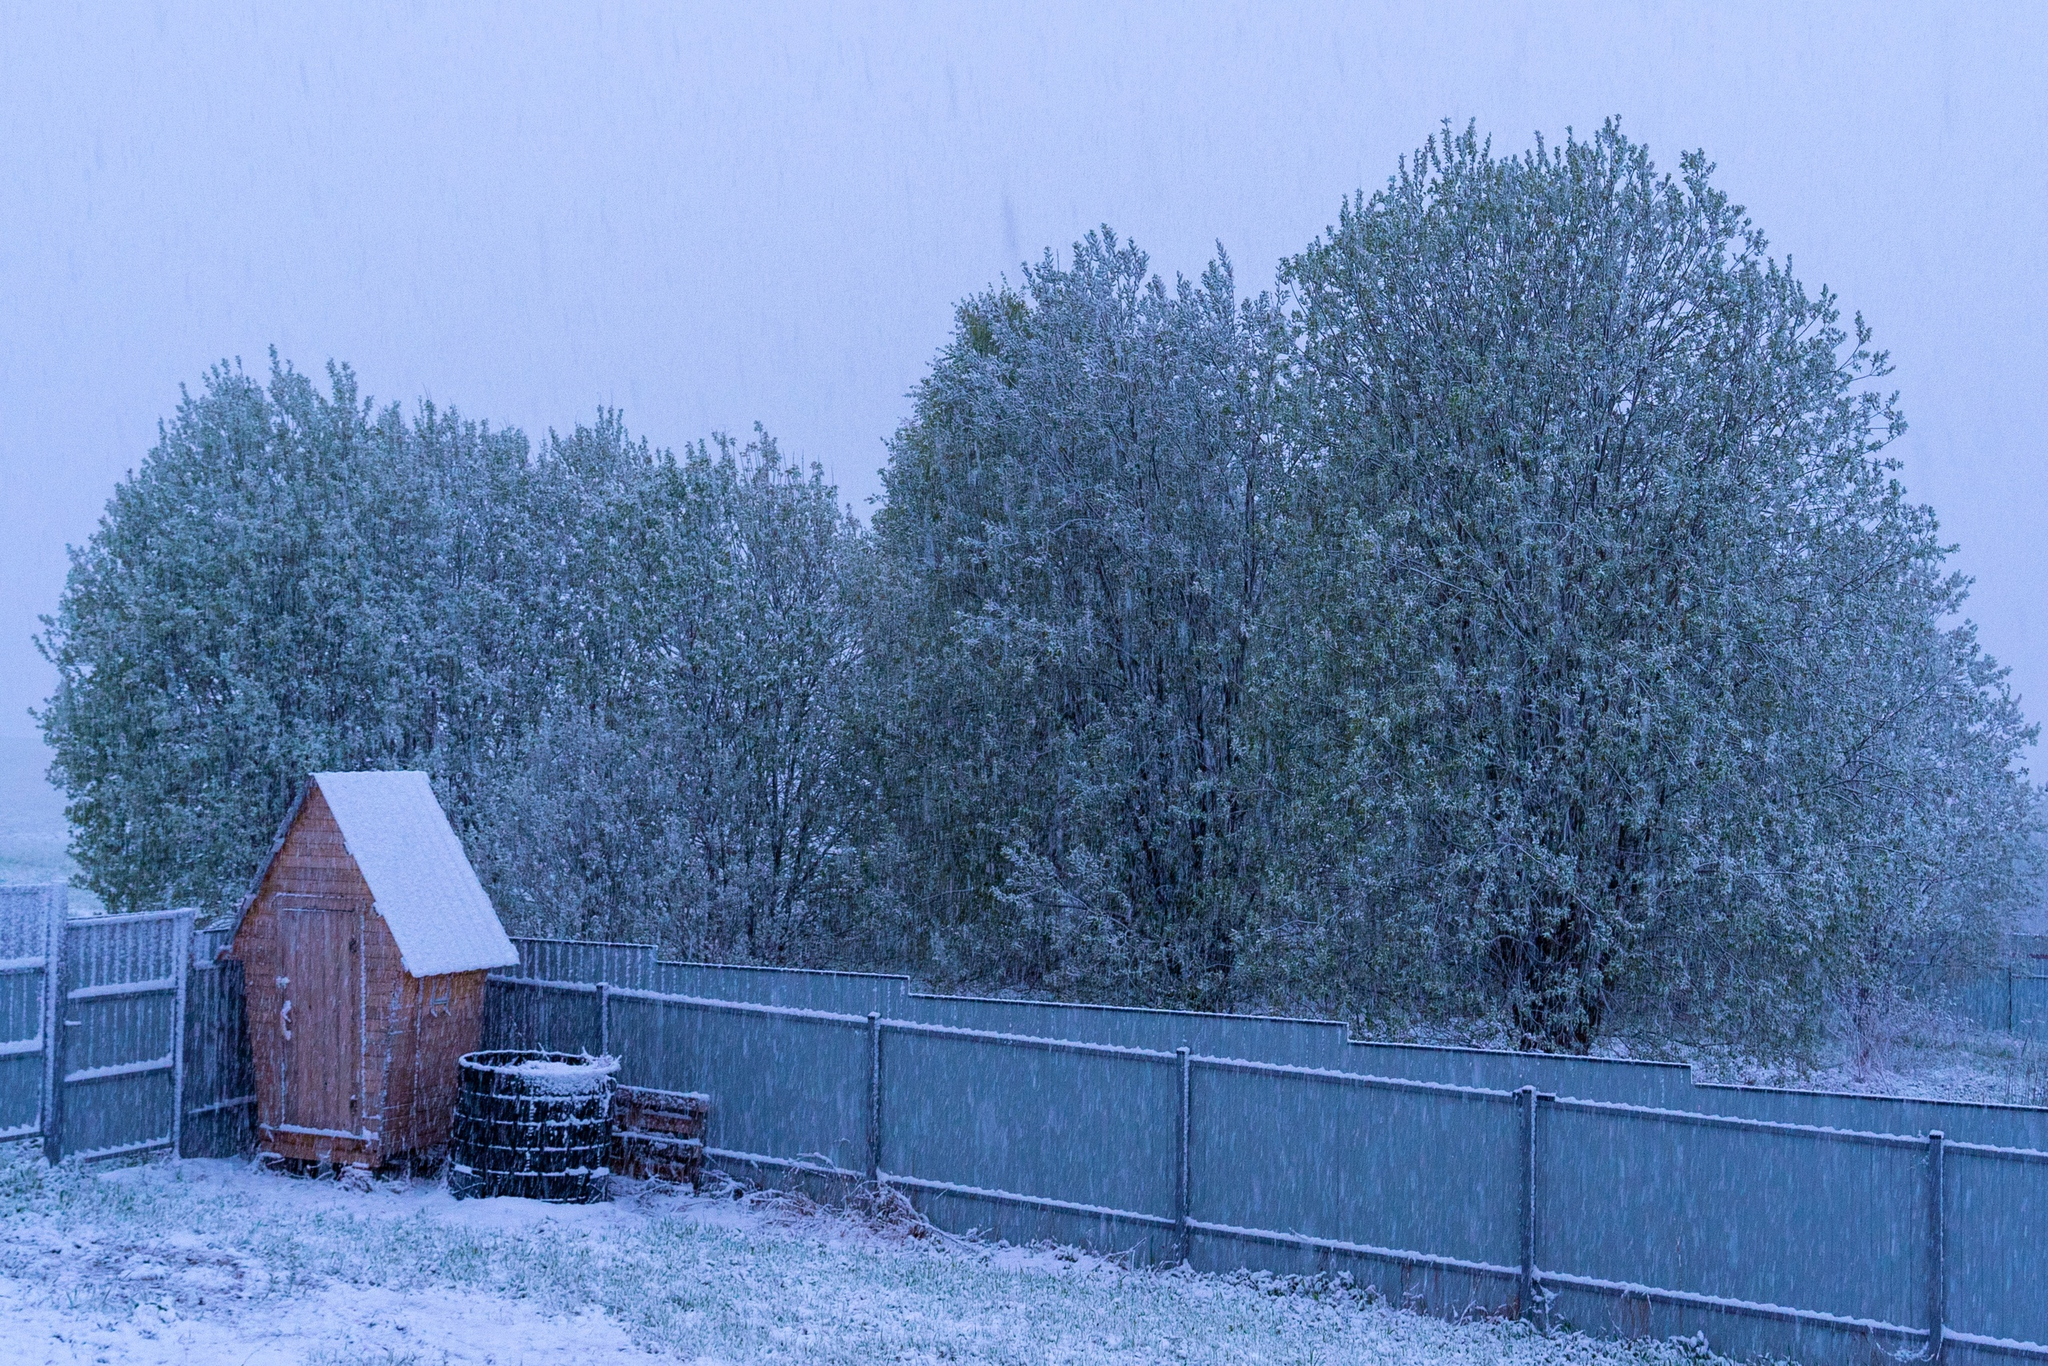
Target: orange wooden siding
[399, 1085]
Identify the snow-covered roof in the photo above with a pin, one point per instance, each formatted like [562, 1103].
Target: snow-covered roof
[419, 877]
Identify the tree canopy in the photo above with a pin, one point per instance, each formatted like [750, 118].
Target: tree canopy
[1640, 673]
[1515, 617]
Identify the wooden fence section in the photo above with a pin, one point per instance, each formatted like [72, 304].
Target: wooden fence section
[30, 919]
[117, 1057]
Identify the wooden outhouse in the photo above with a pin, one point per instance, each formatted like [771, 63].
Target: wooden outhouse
[364, 942]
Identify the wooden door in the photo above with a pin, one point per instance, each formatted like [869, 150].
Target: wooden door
[320, 1021]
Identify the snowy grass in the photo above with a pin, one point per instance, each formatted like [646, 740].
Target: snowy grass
[1914, 1051]
[220, 1261]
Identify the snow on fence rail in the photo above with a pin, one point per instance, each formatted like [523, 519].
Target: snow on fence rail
[1786, 1240]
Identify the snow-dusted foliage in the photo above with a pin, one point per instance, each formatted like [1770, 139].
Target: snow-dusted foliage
[1634, 673]
[290, 582]
[1078, 533]
[689, 787]
[620, 666]
[1517, 617]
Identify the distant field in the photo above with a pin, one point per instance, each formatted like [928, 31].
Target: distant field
[33, 838]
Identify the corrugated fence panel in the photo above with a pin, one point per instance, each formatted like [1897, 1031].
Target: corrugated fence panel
[844, 993]
[792, 1088]
[1997, 1244]
[25, 914]
[2014, 997]
[2030, 1006]
[523, 1014]
[1087, 1128]
[1775, 1216]
[1300, 1043]
[2003, 1126]
[123, 976]
[1777, 1241]
[589, 961]
[1326, 1157]
[1986, 1000]
[25, 910]
[21, 1002]
[118, 1113]
[1296, 1043]
[1618, 1081]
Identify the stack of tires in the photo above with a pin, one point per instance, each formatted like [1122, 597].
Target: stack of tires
[530, 1124]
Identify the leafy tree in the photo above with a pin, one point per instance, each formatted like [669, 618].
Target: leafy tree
[696, 790]
[289, 583]
[1077, 529]
[622, 670]
[1631, 680]
[1519, 617]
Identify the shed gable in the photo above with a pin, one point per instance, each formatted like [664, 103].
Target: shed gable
[420, 880]
[395, 841]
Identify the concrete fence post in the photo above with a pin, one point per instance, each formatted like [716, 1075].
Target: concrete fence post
[1181, 1137]
[604, 1019]
[1525, 1299]
[874, 1165]
[1937, 1250]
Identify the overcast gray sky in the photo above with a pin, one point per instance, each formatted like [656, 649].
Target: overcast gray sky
[710, 215]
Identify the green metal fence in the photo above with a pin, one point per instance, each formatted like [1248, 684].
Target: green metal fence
[1784, 1240]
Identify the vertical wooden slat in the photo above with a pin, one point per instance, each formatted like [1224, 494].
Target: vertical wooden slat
[1937, 1250]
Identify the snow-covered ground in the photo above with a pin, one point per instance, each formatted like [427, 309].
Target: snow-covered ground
[1923, 1053]
[221, 1262]
[1914, 1051]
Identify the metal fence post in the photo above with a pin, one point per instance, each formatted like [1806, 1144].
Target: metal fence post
[1525, 1299]
[1181, 1137]
[53, 1033]
[874, 1097]
[604, 1019]
[1937, 1251]
[182, 959]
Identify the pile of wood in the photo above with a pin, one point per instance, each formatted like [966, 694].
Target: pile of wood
[659, 1135]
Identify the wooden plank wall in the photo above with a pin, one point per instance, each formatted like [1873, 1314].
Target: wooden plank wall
[314, 862]
[414, 1030]
[433, 1023]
